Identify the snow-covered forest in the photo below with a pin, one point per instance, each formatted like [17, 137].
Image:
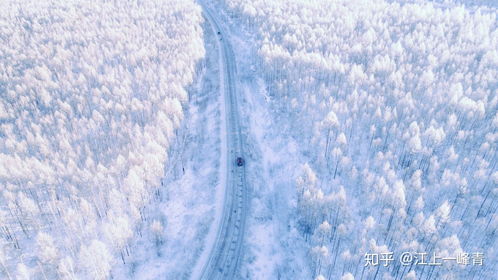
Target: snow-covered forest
[296, 139]
[91, 94]
[396, 105]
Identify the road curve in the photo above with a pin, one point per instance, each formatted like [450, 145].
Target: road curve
[226, 254]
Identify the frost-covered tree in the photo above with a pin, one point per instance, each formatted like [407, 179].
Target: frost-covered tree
[96, 260]
[22, 272]
[347, 276]
[47, 251]
[89, 106]
[399, 113]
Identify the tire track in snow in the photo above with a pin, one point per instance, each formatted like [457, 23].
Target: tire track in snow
[225, 251]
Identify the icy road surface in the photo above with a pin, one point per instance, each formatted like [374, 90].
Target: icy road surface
[225, 254]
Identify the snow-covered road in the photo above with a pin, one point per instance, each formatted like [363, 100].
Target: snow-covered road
[225, 251]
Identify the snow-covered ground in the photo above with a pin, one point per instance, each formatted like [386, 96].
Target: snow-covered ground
[269, 253]
[391, 109]
[370, 127]
[184, 205]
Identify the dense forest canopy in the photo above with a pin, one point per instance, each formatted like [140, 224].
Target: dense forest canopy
[90, 96]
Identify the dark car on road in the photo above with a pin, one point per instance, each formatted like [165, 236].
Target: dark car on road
[240, 161]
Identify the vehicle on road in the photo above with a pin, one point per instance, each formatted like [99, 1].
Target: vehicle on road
[224, 257]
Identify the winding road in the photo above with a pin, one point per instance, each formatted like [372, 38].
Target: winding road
[226, 253]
